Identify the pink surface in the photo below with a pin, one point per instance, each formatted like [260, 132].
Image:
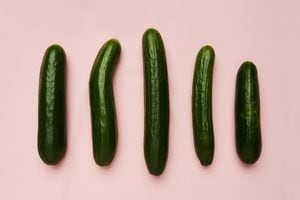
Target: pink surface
[266, 32]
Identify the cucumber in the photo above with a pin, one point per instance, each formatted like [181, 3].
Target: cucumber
[202, 106]
[104, 126]
[247, 114]
[52, 106]
[156, 100]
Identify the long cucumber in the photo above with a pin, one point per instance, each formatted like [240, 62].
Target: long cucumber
[156, 95]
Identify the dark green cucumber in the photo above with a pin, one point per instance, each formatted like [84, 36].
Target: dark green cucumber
[202, 105]
[52, 106]
[247, 114]
[156, 95]
[104, 126]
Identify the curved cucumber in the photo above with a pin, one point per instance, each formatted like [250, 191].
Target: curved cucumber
[156, 133]
[202, 105]
[247, 114]
[104, 126]
[52, 106]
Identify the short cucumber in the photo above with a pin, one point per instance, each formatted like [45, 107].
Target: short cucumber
[156, 96]
[202, 105]
[52, 106]
[247, 114]
[104, 126]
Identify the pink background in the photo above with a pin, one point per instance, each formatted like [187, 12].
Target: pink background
[265, 32]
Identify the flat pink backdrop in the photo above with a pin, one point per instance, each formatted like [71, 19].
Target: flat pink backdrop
[265, 32]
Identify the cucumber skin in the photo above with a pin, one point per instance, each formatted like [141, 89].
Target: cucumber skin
[102, 105]
[156, 99]
[247, 114]
[202, 105]
[52, 106]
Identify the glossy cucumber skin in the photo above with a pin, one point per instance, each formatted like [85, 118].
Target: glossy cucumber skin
[102, 105]
[202, 105]
[247, 114]
[52, 106]
[156, 99]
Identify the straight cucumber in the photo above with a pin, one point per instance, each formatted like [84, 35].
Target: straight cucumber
[202, 105]
[52, 106]
[247, 114]
[156, 96]
[104, 126]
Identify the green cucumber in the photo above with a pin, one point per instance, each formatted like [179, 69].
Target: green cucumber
[247, 114]
[156, 99]
[52, 106]
[102, 105]
[202, 105]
